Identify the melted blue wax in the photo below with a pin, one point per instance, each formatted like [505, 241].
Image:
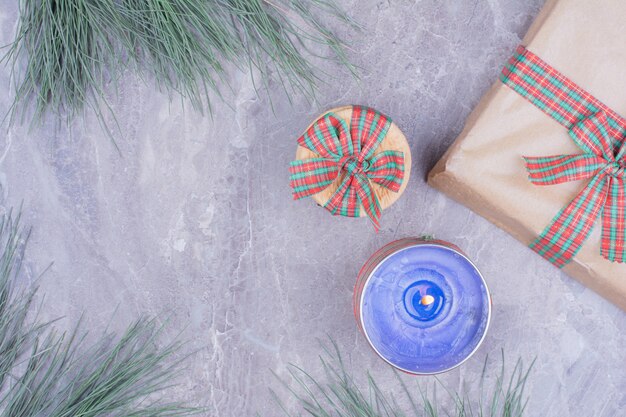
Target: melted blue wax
[431, 336]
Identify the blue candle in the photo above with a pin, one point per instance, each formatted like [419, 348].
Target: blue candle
[422, 305]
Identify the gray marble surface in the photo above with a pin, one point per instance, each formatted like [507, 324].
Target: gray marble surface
[194, 219]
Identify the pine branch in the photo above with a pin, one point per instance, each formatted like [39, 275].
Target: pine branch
[337, 394]
[75, 48]
[44, 373]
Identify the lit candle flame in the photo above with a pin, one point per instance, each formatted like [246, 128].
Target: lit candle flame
[427, 300]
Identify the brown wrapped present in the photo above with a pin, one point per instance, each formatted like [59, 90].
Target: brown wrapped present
[485, 169]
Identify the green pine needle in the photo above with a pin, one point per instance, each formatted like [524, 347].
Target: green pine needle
[44, 373]
[337, 394]
[75, 48]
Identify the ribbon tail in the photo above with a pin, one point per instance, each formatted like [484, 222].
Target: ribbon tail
[547, 170]
[614, 222]
[368, 199]
[344, 200]
[354, 192]
[310, 176]
[567, 232]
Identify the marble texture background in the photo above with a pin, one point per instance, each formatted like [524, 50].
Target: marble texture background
[193, 219]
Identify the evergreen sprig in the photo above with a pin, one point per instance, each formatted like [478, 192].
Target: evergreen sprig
[47, 373]
[75, 48]
[337, 393]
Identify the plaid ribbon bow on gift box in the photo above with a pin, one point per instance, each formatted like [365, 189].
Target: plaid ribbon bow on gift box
[347, 154]
[600, 133]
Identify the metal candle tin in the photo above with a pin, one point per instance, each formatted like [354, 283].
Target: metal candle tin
[422, 305]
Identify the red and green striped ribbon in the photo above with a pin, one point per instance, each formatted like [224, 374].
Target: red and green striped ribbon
[347, 152]
[600, 133]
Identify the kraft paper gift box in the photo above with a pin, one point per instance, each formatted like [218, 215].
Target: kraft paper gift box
[484, 169]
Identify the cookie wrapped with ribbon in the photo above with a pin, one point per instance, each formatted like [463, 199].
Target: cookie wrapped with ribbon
[354, 161]
[543, 155]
